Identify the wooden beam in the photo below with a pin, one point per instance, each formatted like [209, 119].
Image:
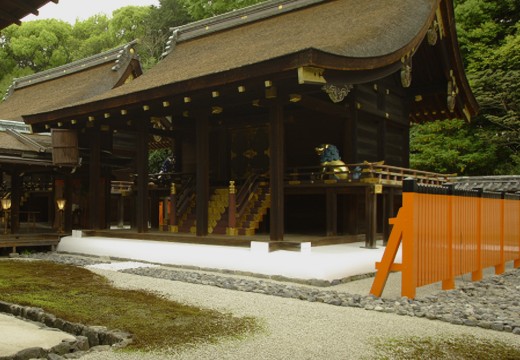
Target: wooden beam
[94, 194]
[324, 106]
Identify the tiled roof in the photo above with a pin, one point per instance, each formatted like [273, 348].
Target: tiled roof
[507, 183]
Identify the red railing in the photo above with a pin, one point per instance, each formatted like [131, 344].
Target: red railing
[444, 233]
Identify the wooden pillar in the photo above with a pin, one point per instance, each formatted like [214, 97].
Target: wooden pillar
[332, 212]
[94, 196]
[371, 216]
[388, 212]
[121, 211]
[276, 150]
[232, 210]
[142, 210]
[202, 184]
[16, 197]
[173, 209]
[67, 226]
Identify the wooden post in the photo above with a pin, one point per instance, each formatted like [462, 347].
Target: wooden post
[16, 197]
[121, 211]
[449, 283]
[478, 274]
[371, 217]
[232, 210]
[202, 183]
[276, 150]
[142, 213]
[173, 209]
[388, 209]
[161, 215]
[501, 268]
[409, 258]
[332, 212]
[94, 194]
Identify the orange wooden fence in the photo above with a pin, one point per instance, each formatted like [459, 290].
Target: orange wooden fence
[444, 233]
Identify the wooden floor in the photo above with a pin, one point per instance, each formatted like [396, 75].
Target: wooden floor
[291, 241]
[30, 240]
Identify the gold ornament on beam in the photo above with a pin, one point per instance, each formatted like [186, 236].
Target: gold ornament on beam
[432, 34]
[337, 93]
[406, 71]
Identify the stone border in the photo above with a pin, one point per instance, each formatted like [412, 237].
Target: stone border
[88, 338]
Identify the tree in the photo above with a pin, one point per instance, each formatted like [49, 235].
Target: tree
[489, 40]
[201, 9]
[450, 146]
[92, 36]
[170, 13]
[39, 45]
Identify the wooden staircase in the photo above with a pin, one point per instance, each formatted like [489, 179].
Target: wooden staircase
[248, 222]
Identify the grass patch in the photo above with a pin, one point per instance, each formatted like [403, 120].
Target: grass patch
[453, 348]
[79, 295]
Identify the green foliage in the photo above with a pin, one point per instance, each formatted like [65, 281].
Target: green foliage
[489, 39]
[156, 159]
[201, 9]
[78, 295]
[38, 45]
[450, 146]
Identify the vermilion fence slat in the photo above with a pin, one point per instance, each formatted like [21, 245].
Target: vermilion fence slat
[443, 236]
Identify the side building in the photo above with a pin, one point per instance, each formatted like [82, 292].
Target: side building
[38, 168]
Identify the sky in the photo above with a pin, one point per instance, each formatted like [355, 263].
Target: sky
[72, 10]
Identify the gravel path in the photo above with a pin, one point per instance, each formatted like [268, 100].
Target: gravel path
[294, 329]
[304, 321]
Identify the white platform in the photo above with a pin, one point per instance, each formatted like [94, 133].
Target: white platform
[329, 262]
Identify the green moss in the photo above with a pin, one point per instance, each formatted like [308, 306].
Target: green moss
[436, 348]
[78, 295]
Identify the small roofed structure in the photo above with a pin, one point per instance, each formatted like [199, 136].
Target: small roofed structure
[38, 165]
[257, 89]
[12, 11]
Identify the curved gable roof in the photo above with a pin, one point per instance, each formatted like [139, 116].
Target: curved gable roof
[349, 29]
[67, 84]
[343, 35]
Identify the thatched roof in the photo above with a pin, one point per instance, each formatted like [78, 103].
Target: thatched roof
[340, 35]
[68, 84]
[13, 10]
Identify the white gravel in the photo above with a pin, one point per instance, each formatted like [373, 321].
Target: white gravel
[294, 329]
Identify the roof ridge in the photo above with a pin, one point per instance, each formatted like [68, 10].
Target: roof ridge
[233, 19]
[119, 53]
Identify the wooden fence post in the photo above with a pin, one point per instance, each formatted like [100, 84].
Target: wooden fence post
[409, 268]
[500, 268]
[449, 283]
[478, 274]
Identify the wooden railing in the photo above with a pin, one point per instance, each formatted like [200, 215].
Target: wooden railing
[244, 193]
[445, 233]
[375, 172]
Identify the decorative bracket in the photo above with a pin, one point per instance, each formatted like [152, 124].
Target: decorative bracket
[453, 91]
[432, 34]
[406, 71]
[337, 93]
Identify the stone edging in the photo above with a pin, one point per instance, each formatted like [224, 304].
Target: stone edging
[88, 338]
